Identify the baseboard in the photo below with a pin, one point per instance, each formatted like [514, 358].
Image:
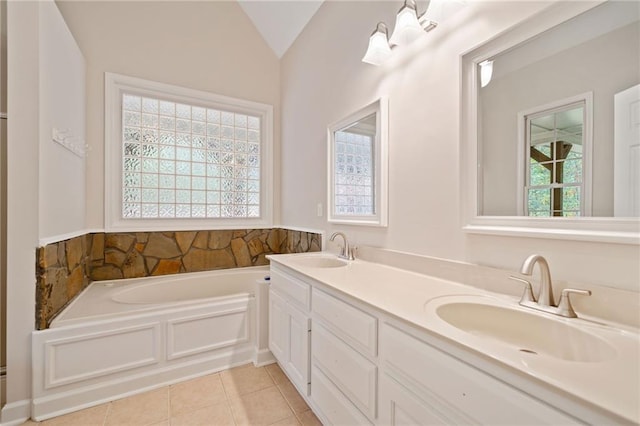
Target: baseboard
[3, 388]
[15, 413]
[263, 357]
[65, 402]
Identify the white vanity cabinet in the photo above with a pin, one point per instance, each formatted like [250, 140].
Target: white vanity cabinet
[289, 326]
[363, 365]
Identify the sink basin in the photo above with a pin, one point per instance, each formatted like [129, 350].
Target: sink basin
[530, 333]
[320, 261]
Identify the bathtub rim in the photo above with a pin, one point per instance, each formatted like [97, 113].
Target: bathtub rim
[59, 321]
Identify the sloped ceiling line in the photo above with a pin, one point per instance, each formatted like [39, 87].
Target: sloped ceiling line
[280, 22]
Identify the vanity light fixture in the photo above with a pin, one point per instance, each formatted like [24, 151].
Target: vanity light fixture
[409, 26]
[378, 50]
[486, 71]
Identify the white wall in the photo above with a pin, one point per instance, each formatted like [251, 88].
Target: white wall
[45, 194]
[22, 200]
[210, 46]
[62, 106]
[323, 80]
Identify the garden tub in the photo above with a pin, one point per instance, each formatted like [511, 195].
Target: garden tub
[127, 336]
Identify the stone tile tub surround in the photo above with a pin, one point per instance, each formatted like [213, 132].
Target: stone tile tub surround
[65, 268]
[62, 271]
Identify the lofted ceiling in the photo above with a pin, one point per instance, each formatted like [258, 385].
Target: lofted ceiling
[280, 22]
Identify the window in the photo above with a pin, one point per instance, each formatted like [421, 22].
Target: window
[556, 146]
[184, 159]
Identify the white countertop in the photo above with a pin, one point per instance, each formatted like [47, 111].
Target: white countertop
[612, 385]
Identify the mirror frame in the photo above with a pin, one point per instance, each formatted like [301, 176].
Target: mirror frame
[380, 107]
[599, 229]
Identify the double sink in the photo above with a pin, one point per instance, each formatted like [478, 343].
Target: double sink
[591, 359]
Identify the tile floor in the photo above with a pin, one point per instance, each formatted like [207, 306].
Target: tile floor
[243, 395]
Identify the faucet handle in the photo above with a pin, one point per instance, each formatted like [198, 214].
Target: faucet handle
[527, 296]
[352, 253]
[564, 307]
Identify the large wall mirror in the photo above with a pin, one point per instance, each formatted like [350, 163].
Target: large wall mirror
[551, 125]
[357, 167]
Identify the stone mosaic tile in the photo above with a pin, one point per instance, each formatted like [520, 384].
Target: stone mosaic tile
[65, 268]
[62, 272]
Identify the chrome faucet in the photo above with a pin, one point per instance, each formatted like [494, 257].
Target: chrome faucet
[545, 301]
[346, 252]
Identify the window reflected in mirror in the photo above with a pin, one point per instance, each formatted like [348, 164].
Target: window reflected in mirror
[354, 155]
[555, 141]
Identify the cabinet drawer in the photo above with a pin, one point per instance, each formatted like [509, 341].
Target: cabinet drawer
[351, 372]
[457, 389]
[356, 327]
[399, 407]
[294, 290]
[334, 406]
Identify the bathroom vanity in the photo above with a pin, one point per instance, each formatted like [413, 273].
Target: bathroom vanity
[367, 343]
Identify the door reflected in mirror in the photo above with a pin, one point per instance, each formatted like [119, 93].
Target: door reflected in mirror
[357, 183]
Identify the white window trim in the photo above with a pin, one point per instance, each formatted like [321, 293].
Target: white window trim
[115, 85]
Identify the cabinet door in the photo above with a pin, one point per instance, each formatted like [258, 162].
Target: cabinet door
[278, 327]
[457, 389]
[400, 407]
[298, 360]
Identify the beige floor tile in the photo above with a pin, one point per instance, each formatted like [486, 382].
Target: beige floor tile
[162, 423]
[309, 419]
[276, 373]
[144, 409]
[295, 401]
[87, 417]
[260, 408]
[245, 379]
[289, 421]
[196, 393]
[30, 423]
[218, 414]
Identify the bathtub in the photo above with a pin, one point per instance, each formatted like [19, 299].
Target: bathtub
[122, 337]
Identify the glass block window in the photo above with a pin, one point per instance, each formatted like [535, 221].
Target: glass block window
[188, 161]
[354, 174]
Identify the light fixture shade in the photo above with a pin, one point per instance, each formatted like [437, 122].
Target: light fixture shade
[407, 27]
[378, 50]
[486, 71]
